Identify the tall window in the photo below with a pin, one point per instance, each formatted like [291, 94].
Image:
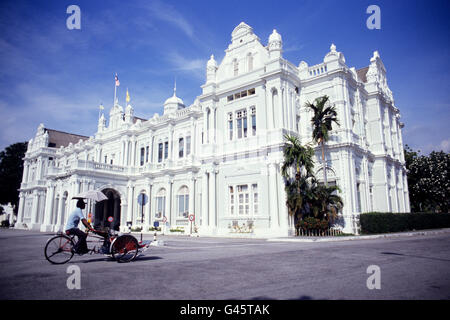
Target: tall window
[160, 152]
[142, 156]
[147, 150]
[241, 123]
[188, 145]
[166, 149]
[230, 125]
[358, 197]
[181, 147]
[253, 110]
[235, 67]
[243, 199]
[255, 198]
[160, 204]
[231, 191]
[183, 202]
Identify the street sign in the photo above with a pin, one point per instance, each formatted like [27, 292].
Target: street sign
[142, 199]
[191, 217]
[156, 224]
[165, 219]
[110, 219]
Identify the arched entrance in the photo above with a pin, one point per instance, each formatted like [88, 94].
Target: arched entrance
[108, 208]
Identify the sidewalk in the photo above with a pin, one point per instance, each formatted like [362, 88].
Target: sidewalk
[363, 237]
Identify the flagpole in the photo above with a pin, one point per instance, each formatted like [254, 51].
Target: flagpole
[115, 90]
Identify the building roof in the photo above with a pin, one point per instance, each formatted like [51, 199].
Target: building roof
[57, 138]
[362, 74]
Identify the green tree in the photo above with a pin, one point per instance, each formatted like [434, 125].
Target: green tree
[296, 170]
[305, 197]
[11, 170]
[428, 180]
[326, 202]
[322, 121]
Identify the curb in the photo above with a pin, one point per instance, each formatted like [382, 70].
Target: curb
[365, 237]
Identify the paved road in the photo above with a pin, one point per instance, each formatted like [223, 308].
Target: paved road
[216, 268]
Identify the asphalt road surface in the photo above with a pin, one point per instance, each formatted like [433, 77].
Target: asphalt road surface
[415, 267]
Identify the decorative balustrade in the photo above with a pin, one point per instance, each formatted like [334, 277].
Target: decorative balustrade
[317, 69]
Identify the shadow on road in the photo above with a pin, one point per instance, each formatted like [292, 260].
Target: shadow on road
[414, 256]
[109, 259]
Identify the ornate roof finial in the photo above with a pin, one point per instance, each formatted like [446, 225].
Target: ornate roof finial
[333, 47]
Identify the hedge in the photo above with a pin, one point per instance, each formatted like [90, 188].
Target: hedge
[379, 222]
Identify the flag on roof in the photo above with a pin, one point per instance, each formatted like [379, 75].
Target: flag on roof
[117, 81]
[128, 96]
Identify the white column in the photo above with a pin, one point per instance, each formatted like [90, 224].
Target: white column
[205, 193]
[273, 197]
[133, 152]
[48, 208]
[34, 208]
[130, 204]
[26, 167]
[205, 127]
[148, 213]
[283, 212]
[191, 195]
[169, 209]
[212, 197]
[60, 218]
[125, 153]
[21, 209]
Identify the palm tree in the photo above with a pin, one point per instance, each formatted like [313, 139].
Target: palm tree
[327, 202]
[322, 121]
[297, 158]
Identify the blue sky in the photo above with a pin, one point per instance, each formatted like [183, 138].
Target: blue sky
[57, 76]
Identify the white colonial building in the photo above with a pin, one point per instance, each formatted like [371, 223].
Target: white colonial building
[219, 159]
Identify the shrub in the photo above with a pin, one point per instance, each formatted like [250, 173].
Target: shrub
[311, 223]
[379, 222]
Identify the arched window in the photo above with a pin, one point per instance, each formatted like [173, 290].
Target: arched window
[181, 147]
[183, 202]
[160, 203]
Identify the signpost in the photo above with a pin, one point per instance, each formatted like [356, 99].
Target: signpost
[142, 200]
[191, 220]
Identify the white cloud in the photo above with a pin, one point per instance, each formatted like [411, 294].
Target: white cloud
[168, 14]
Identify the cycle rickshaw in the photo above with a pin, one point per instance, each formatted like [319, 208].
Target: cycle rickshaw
[123, 248]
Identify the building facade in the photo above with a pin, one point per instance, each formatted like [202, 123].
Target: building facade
[218, 160]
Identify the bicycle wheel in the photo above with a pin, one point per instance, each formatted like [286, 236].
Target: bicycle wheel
[124, 248]
[59, 249]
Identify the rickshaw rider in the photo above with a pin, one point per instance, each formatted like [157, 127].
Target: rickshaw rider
[72, 227]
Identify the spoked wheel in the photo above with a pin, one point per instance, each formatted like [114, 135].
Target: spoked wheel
[124, 248]
[59, 249]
